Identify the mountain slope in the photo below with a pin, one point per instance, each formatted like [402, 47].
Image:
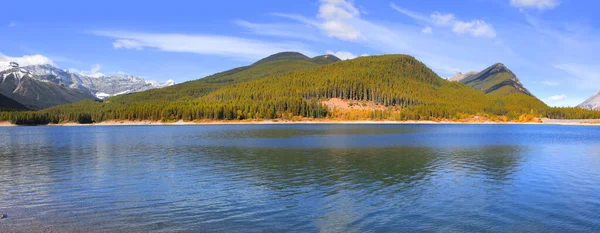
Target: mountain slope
[591, 103]
[10, 104]
[496, 80]
[275, 64]
[22, 87]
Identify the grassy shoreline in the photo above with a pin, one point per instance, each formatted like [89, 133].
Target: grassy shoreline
[582, 122]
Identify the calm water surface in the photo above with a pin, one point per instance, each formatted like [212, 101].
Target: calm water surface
[301, 178]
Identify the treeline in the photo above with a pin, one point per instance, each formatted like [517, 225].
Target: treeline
[402, 87]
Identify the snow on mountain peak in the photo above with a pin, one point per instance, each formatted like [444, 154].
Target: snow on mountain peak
[91, 81]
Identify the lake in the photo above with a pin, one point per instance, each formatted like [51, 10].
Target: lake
[300, 178]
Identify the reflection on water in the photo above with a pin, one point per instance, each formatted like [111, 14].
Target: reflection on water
[301, 178]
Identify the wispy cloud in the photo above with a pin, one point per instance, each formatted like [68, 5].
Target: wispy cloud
[558, 97]
[301, 31]
[550, 83]
[475, 28]
[537, 4]
[127, 44]
[235, 47]
[439, 18]
[93, 72]
[427, 30]
[583, 76]
[337, 18]
[12, 24]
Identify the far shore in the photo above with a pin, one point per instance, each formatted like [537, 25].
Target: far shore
[582, 122]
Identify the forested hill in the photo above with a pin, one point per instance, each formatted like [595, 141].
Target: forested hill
[275, 64]
[398, 86]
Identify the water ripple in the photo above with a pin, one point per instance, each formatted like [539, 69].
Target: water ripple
[300, 179]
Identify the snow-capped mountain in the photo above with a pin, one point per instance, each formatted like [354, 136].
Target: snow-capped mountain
[592, 103]
[34, 93]
[43, 86]
[101, 87]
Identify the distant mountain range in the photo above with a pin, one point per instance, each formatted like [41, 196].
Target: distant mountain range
[43, 86]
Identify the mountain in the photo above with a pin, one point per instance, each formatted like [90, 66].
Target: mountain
[388, 87]
[272, 65]
[496, 80]
[283, 56]
[591, 103]
[35, 93]
[42, 86]
[458, 76]
[101, 86]
[10, 104]
[325, 59]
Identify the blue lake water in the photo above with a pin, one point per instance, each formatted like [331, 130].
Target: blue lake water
[300, 178]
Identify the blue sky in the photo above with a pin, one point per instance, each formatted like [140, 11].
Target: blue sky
[552, 45]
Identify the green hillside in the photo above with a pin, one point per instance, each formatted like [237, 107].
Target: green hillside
[272, 65]
[496, 80]
[401, 88]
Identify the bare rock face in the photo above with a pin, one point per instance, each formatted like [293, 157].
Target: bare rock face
[592, 103]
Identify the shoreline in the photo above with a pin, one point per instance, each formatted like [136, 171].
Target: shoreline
[582, 122]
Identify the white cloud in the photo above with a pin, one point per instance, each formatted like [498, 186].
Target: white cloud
[410, 13]
[476, 28]
[550, 83]
[127, 44]
[427, 30]
[337, 16]
[442, 19]
[342, 54]
[280, 30]
[584, 76]
[539, 4]
[298, 18]
[239, 48]
[93, 72]
[12, 24]
[558, 97]
[26, 60]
